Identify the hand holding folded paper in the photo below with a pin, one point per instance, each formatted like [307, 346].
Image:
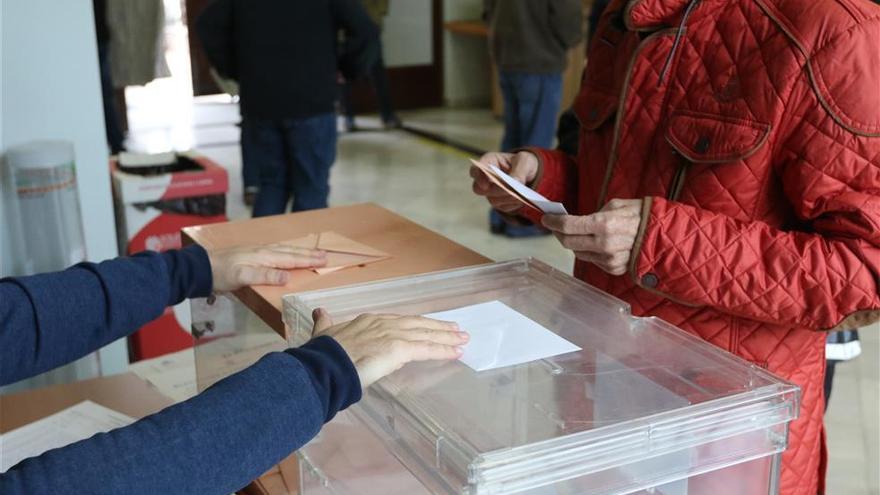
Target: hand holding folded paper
[342, 252]
[519, 191]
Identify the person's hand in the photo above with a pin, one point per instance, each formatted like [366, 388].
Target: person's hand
[604, 238]
[379, 345]
[522, 166]
[234, 268]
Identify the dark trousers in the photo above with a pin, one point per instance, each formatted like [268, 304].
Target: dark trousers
[531, 104]
[112, 124]
[379, 79]
[293, 157]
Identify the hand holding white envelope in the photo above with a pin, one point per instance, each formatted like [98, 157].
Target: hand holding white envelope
[525, 195]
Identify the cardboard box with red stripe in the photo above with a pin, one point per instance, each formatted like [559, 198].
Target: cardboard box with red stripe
[155, 197]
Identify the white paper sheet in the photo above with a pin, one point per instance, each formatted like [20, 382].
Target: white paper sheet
[62, 428]
[543, 204]
[174, 375]
[501, 336]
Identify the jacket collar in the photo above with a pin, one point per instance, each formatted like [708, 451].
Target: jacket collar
[649, 15]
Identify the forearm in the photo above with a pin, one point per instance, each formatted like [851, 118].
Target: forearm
[216, 442]
[52, 319]
[752, 270]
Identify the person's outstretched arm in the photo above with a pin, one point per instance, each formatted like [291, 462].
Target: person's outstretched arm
[233, 432]
[52, 319]
[214, 443]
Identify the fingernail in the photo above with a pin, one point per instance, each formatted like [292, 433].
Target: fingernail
[464, 335]
[459, 350]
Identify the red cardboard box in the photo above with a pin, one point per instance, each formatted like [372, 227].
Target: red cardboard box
[155, 197]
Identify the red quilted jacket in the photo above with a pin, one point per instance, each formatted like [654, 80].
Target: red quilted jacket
[755, 141]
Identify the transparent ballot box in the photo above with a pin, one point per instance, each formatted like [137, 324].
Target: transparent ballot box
[642, 407]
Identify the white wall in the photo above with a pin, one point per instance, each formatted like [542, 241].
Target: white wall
[51, 90]
[407, 38]
[466, 76]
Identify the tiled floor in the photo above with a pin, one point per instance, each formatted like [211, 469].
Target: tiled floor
[428, 183]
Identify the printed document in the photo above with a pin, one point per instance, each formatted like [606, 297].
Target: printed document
[62, 428]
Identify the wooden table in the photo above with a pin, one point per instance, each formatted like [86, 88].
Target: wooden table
[414, 250]
[126, 393]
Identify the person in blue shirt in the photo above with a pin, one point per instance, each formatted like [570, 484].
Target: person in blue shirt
[221, 439]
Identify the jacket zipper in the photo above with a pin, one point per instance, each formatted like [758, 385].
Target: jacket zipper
[678, 178]
[620, 106]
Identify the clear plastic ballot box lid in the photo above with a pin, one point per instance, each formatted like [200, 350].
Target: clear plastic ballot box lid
[642, 404]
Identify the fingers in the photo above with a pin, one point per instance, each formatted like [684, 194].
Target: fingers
[575, 224]
[289, 257]
[259, 275]
[520, 171]
[435, 336]
[425, 351]
[322, 320]
[482, 185]
[500, 160]
[411, 322]
[618, 204]
[593, 243]
[394, 321]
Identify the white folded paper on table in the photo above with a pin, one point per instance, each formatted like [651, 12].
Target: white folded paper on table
[62, 428]
[501, 336]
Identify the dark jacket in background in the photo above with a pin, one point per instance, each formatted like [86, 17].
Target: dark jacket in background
[284, 54]
[533, 36]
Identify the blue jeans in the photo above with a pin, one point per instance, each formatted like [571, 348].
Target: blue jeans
[531, 105]
[293, 157]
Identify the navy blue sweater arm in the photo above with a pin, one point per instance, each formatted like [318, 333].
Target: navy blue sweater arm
[51, 319]
[214, 443]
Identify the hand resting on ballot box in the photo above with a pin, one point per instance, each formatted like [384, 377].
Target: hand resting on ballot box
[234, 268]
[380, 344]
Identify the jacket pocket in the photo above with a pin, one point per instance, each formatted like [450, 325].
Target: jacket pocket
[700, 138]
[594, 107]
[707, 138]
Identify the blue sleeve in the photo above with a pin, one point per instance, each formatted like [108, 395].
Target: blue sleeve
[52, 319]
[214, 443]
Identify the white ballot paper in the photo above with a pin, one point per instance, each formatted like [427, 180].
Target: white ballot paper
[533, 197]
[62, 428]
[501, 336]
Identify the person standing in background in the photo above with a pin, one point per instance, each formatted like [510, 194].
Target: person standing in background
[529, 42]
[112, 125]
[378, 75]
[285, 57]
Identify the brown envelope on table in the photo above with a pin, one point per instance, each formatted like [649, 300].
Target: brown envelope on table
[342, 252]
